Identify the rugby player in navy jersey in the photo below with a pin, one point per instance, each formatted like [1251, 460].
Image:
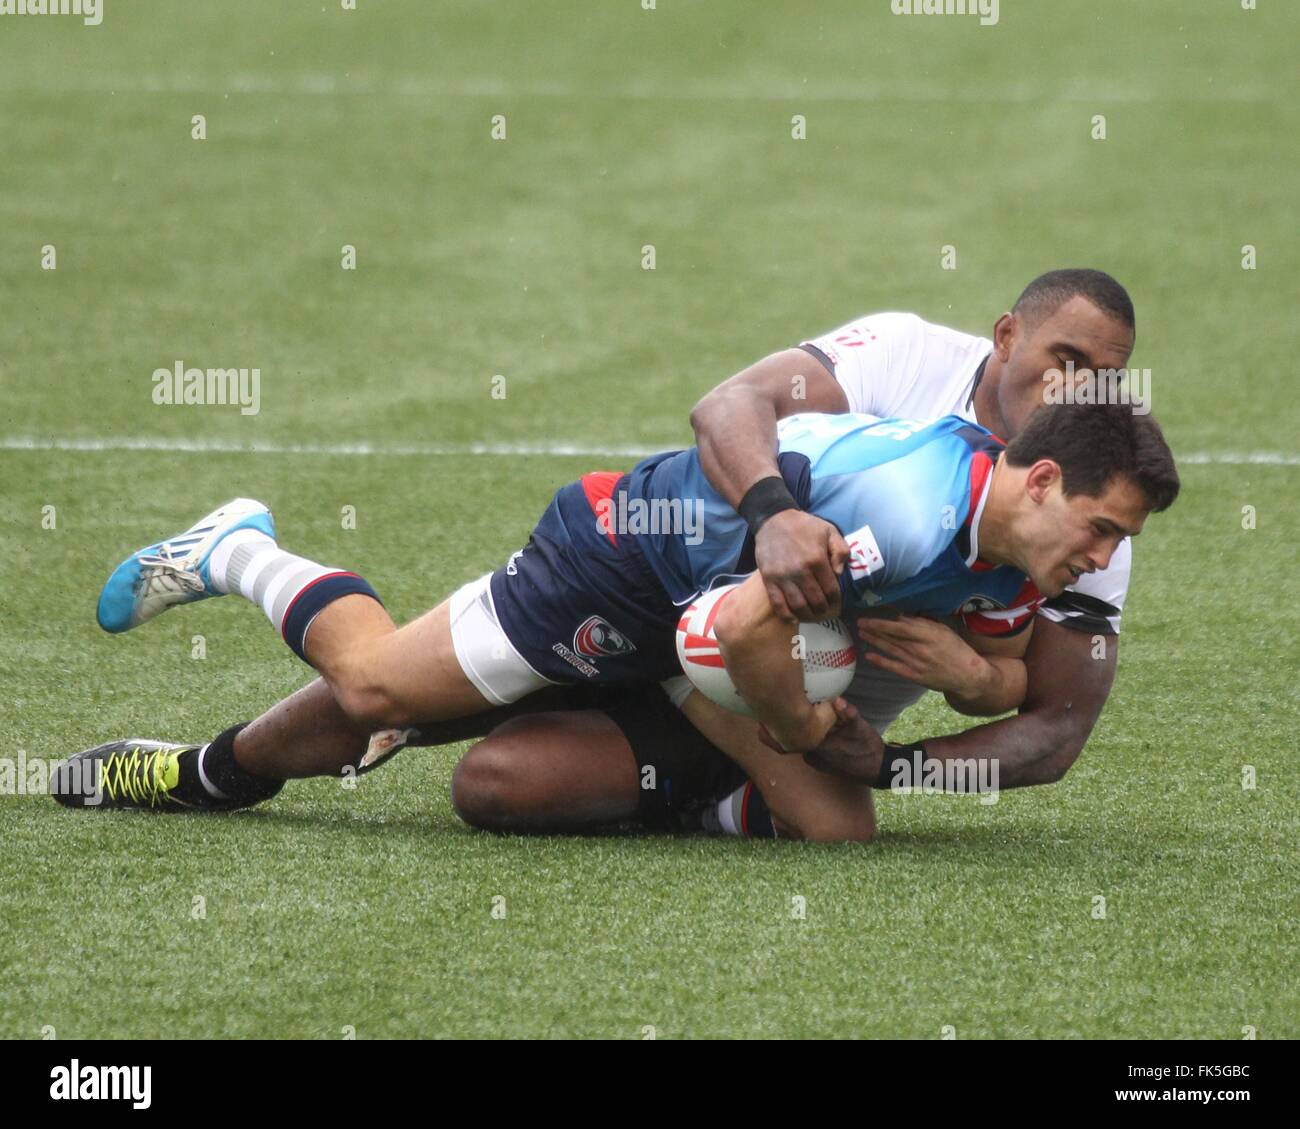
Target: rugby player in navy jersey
[943, 522]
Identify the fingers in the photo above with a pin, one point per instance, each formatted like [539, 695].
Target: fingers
[894, 666]
[837, 764]
[869, 628]
[800, 557]
[818, 759]
[911, 628]
[804, 597]
[829, 588]
[839, 549]
[895, 650]
[818, 586]
[889, 647]
[778, 601]
[826, 567]
[796, 601]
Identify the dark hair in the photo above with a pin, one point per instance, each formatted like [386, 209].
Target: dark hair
[1048, 292]
[1092, 443]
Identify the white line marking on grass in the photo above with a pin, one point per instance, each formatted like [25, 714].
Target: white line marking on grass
[425, 89]
[230, 447]
[1238, 458]
[429, 450]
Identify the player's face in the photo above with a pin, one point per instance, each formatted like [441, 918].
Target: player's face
[1073, 535]
[1076, 331]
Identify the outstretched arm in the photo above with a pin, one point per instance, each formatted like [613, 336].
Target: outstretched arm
[1069, 674]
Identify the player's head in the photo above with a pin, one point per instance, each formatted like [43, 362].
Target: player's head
[1087, 476]
[1079, 316]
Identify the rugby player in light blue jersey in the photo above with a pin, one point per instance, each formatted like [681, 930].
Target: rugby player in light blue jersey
[940, 517]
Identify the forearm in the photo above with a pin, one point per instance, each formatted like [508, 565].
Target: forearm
[1068, 681]
[1028, 749]
[761, 661]
[735, 431]
[735, 424]
[999, 688]
[1068, 678]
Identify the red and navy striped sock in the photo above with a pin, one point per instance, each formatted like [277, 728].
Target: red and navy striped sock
[291, 590]
[744, 813]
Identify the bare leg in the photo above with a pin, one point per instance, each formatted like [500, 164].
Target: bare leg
[307, 734]
[384, 676]
[549, 771]
[805, 803]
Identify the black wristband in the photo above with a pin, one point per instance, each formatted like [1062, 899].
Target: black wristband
[766, 498]
[901, 760]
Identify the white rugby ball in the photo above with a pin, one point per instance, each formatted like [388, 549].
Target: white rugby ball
[829, 657]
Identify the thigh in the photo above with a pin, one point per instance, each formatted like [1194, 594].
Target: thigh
[417, 667]
[561, 771]
[551, 700]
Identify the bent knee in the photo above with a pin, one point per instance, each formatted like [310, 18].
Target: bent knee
[486, 784]
[368, 703]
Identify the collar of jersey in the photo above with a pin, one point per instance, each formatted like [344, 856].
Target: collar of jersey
[972, 558]
[975, 383]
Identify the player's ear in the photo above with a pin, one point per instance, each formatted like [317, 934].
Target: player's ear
[1005, 331]
[1042, 476]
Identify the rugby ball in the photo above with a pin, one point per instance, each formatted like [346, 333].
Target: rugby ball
[829, 657]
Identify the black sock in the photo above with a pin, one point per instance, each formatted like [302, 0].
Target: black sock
[238, 788]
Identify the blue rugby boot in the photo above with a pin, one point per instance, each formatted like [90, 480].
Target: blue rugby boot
[175, 571]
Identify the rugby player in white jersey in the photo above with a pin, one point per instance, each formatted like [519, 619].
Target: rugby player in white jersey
[565, 769]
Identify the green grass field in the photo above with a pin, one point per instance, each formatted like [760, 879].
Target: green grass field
[371, 908]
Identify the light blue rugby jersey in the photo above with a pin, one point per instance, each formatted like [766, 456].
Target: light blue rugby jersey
[900, 491]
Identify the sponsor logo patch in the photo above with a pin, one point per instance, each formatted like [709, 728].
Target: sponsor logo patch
[864, 554]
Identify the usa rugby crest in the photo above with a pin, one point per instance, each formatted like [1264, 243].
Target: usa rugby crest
[597, 638]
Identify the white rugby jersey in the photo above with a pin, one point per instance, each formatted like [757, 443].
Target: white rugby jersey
[895, 364]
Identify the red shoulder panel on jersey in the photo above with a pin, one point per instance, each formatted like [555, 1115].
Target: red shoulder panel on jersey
[1009, 621]
[598, 486]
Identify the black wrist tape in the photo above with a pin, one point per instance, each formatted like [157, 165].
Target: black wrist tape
[897, 756]
[766, 498]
